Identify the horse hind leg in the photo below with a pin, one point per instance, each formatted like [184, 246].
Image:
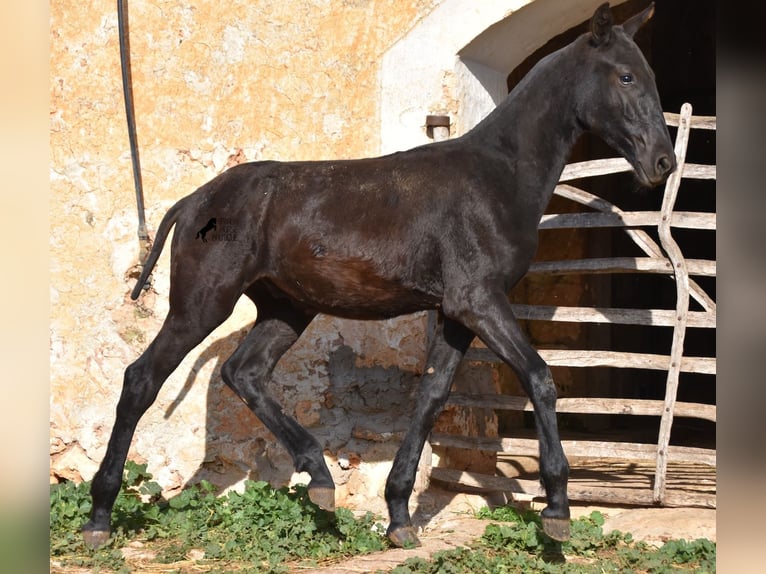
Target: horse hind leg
[249, 369]
[184, 328]
[141, 384]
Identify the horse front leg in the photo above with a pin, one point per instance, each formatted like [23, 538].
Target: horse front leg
[447, 348]
[489, 315]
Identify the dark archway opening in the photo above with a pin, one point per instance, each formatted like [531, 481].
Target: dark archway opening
[679, 44]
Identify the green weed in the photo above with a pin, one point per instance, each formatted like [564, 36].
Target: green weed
[517, 544]
[269, 530]
[264, 527]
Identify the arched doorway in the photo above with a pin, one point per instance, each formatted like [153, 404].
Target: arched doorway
[455, 61]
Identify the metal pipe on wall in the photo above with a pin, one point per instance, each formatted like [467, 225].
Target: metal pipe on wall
[127, 90]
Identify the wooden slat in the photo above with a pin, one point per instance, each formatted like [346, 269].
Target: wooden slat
[590, 358]
[611, 315]
[594, 168]
[599, 167]
[683, 219]
[581, 448]
[586, 405]
[699, 171]
[597, 265]
[604, 493]
[486, 483]
[620, 360]
[639, 236]
[695, 122]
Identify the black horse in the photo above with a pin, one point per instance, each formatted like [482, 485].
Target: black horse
[450, 226]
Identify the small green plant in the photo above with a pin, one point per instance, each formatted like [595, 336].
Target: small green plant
[269, 530]
[517, 544]
[262, 527]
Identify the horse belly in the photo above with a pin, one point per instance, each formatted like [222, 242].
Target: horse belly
[353, 287]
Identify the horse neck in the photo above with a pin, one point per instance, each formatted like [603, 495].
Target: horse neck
[535, 127]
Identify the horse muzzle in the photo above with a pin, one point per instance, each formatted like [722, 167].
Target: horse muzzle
[655, 169]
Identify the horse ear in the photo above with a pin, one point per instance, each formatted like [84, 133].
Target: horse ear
[601, 25]
[632, 25]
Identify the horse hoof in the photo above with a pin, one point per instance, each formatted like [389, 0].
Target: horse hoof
[556, 528]
[404, 537]
[95, 538]
[323, 497]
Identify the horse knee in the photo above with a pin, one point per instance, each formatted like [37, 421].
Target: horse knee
[245, 379]
[542, 388]
[232, 378]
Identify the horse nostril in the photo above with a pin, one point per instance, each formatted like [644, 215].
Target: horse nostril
[664, 165]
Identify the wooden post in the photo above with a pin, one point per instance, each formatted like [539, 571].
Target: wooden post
[682, 303]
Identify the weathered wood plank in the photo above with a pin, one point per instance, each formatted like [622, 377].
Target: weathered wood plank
[598, 265]
[572, 448]
[486, 483]
[695, 122]
[594, 168]
[590, 358]
[586, 405]
[648, 317]
[682, 303]
[603, 493]
[699, 171]
[683, 219]
[599, 167]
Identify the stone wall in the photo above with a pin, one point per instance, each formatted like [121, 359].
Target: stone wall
[214, 85]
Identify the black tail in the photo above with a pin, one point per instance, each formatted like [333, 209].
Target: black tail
[159, 242]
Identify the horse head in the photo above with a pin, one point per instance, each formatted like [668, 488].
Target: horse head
[617, 97]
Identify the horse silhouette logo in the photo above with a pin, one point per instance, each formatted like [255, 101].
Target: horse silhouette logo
[209, 226]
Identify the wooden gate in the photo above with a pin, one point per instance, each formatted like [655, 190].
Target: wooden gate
[691, 466]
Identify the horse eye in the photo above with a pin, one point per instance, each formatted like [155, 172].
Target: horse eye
[626, 79]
